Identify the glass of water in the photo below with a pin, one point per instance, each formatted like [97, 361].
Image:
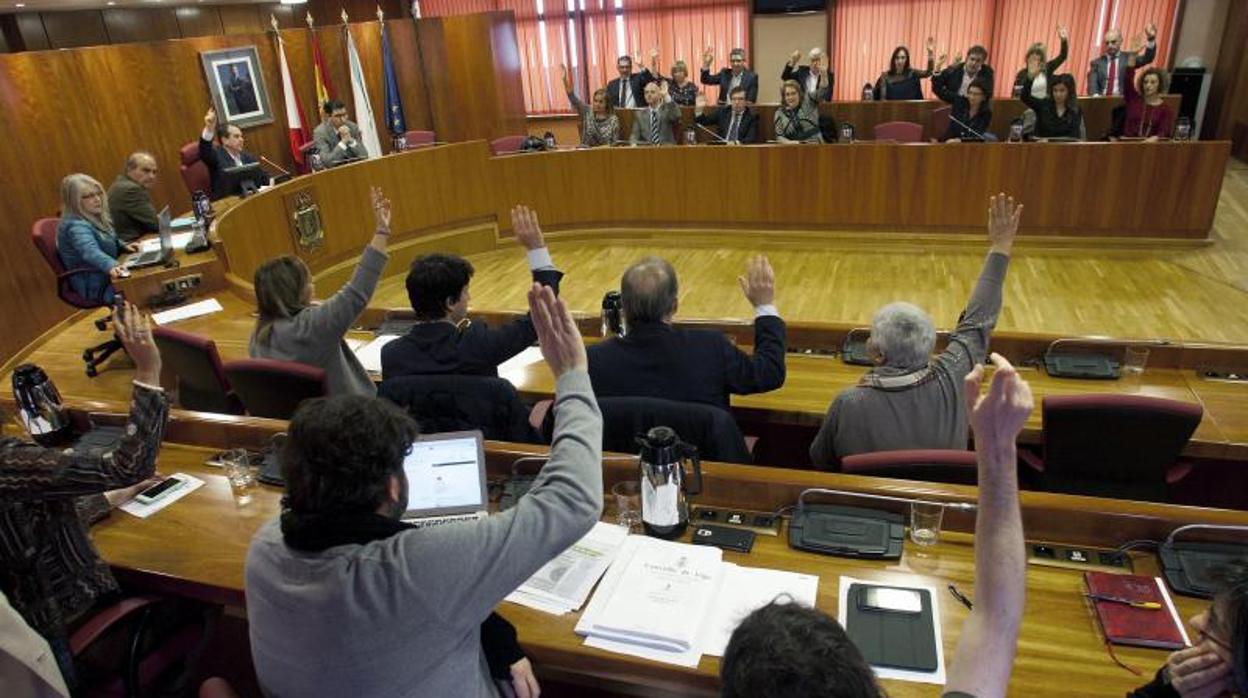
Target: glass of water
[1133, 367]
[925, 519]
[627, 496]
[241, 474]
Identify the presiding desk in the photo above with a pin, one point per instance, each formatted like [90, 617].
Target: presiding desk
[197, 546]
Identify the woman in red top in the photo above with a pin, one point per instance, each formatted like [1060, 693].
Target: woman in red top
[1148, 116]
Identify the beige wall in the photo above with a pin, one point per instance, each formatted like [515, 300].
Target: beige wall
[1201, 33]
[778, 36]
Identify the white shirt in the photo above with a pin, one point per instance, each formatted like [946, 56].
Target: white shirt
[736, 81]
[966, 81]
[628, 101]
[1040, 86]
[812, 82]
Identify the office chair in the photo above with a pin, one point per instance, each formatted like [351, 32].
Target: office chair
[459, 403]
[927, 465]
[899, 131]
[710, 428]
[938, 122]
[200, 377]
[506, 144]
[272, 388]
[419, 139]
[146, 659]
[194, 172]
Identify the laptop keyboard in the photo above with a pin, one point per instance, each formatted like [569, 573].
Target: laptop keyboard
[439, 520]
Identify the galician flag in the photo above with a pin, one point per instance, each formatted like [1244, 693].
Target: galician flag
[363, 106]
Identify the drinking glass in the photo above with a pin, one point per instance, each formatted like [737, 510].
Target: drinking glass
[925, 518]
[1133, 367]
[241, 474]
[627, 495]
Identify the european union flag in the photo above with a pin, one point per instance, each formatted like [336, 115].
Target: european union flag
[394, 104]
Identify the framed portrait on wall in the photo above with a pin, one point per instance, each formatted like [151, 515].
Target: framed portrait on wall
[236, 83]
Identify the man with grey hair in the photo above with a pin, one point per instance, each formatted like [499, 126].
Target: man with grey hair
[911, 400]
[129, 200]
[816, 79]
[655, 359]
[730, 78]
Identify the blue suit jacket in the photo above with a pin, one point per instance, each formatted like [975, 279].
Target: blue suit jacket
[82, 245]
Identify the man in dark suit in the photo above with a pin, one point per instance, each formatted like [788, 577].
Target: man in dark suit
[443, 341]
[1107, 75]
[735, 124]
[626, 90]
[656, 124]
[220, 158]
[655, 359]
[814, 77]
[959, 75]
[130, 203]
[728, 78]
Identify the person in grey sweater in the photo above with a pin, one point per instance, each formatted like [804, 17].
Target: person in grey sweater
[345, 600]
[290, 327]
[910, 400]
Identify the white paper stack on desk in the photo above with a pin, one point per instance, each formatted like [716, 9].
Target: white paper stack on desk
[673, 602]
[563, 584]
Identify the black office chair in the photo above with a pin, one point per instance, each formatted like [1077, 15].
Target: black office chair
[708, 427]
[459, 403]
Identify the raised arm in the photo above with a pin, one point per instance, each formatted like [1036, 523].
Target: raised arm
[207, 153]
[336, 315]
[1150, 45]
[986, 648]
[930, 45]
[790, 68]
[31, 473]
[577, 105]
[1030, 101]
[1056, 63]
[707, 77]
[764, 370]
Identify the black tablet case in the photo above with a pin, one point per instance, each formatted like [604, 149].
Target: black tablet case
[893, 640]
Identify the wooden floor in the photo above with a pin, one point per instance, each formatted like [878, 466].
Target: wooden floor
[1139, 291]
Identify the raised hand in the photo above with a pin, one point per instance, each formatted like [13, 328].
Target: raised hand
[930, 44]
[654, 53]
[759, 282]
[999, 415]
[708, 56]
[210, 119]
[136, 336]
[1003, 218]
[794, 58]
[561, 342]
[528, 231]
[957, 58]
[1062, 33]
[1151, 31]
[381, 208]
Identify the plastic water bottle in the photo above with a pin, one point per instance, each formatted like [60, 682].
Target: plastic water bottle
[1183, 129]
[400, 143]
[691, 137]
[847, 133]
[868, 94]
[1018, 90]
[315, 162]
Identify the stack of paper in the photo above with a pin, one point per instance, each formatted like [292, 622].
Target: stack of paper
[564, 583]
[515, 368]
[370, 354]
[673, 602]
[186, 312]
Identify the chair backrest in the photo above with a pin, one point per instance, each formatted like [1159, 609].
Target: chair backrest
[217, 687]
[928, 465]
[194, 171]
[201, 381]
[506, 144]
[938, 122]
[416, 139]
[900, 131]
[1114, 445]
[458, 403]
[43, 235]
[272, 388]
[708, 427]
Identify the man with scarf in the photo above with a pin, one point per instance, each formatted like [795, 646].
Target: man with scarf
[343, 598]
[911, 400]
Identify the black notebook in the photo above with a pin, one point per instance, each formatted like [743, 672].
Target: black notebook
[892, 626]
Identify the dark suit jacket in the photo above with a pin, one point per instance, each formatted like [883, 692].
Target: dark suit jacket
[749, 80]
[460, 403]
[802, 74]
[658, 360]
[1098, 71]
[131, 207]
[217, 160]
[440, 348]
[953, 76]
[637, 82]
[747, 130]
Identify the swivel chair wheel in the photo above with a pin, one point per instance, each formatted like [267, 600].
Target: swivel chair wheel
[91, 372]
[87, 354]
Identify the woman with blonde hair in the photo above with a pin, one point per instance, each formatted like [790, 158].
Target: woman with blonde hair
[683, 90]
[85, 239]
[797, 119]
[598, 125]
[290, 327]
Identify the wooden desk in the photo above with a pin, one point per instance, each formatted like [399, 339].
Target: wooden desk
[197, 546]
[145, 283]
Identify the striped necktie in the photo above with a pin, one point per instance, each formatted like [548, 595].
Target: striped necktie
[654, 125]
[732, 128]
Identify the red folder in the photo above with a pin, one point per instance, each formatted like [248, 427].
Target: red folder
[1127, 625]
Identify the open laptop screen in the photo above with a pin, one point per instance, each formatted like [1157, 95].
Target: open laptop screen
[446, 474]
[166, 233]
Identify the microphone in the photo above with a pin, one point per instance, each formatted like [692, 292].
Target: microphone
[281, 169]
[959, 122]
[718, 137]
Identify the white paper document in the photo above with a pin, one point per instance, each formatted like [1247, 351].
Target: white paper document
[189, 484]
[186, 312]
[370, 354]
[563, 584]
[747, 589]
[513, 369]
[180, 241]
[936, 677]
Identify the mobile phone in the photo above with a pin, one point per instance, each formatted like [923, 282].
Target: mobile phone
[891, 600]
[158, 490]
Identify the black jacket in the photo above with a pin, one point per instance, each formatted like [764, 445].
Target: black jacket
[961, 111]
[217, 160]
[952, 77]
[1048, 123]
[749, 81]
[711, 429]
[658, 360]
[440, 348]
[747, 130]
[802, 74]
[459, 403]
[1050, 68]
[637, 83]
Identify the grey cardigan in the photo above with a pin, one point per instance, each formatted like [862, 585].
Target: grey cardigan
[314, 335]
[931, 414]
[402, 616]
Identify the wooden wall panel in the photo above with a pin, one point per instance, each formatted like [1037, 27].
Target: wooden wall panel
[128, 24]
[198, 21]
[473, 93]
[1227, 112]
[241, 19]
[75, 29]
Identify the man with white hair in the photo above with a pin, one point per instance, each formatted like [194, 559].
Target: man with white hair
[1108, 73]
[815, 79]
[911, 400]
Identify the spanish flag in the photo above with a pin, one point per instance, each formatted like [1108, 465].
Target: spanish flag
[324, 88]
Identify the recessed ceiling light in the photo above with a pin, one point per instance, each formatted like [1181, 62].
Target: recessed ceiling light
[20, 4]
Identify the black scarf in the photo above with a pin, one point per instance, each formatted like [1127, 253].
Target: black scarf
[313, 534]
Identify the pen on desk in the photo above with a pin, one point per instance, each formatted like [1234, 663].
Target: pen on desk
[1150, 605]
[961, 597]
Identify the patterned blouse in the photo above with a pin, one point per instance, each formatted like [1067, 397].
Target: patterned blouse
[595, 130]
[48, 567]
[685, 95]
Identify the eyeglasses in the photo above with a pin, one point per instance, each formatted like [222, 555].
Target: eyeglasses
[92, 195]
[338, 115]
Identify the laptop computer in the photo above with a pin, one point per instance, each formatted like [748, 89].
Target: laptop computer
[446, 479]
[158, 256]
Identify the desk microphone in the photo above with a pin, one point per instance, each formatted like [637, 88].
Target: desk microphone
[718, 137]
[281, 169]
[959, 122]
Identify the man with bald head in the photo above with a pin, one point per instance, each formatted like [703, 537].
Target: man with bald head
[1108, 73]
[911, 400]
[655, 359]
[130, 200]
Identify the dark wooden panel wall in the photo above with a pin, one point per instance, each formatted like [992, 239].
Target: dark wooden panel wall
[84, 110]
[1227, 112]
